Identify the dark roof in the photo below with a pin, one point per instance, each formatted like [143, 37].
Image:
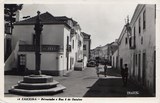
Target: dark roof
[62, 18]
[85, 36]
[46, 18]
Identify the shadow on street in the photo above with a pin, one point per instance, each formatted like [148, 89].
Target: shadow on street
[112, 86]
[109, 87]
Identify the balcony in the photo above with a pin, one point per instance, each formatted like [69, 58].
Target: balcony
[132, 42]
[69, 48]
[44, 48]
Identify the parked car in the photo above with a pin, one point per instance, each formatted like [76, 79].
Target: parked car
[91, 64]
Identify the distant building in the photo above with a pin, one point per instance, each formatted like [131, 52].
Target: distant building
[96, 52]
[112, 47]
[115, 59]
[92, 54]
[104, 50]
[86, 45]
[76, 44]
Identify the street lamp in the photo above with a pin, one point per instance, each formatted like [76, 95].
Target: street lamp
[128, 28]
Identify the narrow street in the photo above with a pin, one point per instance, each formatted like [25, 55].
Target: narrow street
[86, 84]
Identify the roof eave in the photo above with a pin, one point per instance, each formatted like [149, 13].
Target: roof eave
[43, 24]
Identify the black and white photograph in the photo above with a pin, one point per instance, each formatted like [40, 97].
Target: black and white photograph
[79, 50]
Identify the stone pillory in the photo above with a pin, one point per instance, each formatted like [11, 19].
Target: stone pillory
[38, 29]
[37, 84]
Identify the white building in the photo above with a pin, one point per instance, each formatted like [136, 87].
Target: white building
[123, 49]
[112, 47]
[57, 57]
[104, 50]
[77, 47]
[137, 46]
[143, 50]
[115, 59]
[86, 46]
[96, 52]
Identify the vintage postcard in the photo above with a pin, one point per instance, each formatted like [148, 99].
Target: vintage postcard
[84, 51]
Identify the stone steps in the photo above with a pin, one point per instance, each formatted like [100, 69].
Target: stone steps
[50, 91]
[37, 85]
[32, 86]
[37, 79]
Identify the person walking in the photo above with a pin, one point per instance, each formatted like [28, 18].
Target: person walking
[105, 69]
[124, 73]
[97, 69]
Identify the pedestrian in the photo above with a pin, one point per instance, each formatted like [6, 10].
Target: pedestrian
[124, 73]
[97, 69]
[105, 69]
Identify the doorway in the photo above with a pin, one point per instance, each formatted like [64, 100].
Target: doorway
[134, 60]
[144, 69]
[139, 67]
[67, 52]
[121, 63]
[21, 63]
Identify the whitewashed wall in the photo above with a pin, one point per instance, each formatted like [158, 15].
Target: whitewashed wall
[124, 51]
[86, 52]
[114, 61]
[51, 35]
[148, 45]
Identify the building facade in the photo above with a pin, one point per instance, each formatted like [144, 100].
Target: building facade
[115, 59]
[58, 54]
[76, 44]
[112, 47]
[143, 48]
[105, 52]
[137, 46]
[123, 49]
[86, 45]
[96, 52]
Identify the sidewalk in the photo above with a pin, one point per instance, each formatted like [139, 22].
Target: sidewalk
[112, 86]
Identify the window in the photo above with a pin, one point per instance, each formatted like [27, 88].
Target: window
[34, 39]
[130, 41]
[84, 47]
[139, 25]
[7, 28]
[22, 60]
[136, 59]
[134, 37]
[73, 44]
[134, 31]
[144, 19]
[126, 41]
[141, 40]
[79, 43]
[139, 66]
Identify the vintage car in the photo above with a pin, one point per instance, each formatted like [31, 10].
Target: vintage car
[91, 64]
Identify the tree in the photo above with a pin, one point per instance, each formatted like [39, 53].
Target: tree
[10, 13]
[9, 16]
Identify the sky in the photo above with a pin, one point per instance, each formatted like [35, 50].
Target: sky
[103, 21]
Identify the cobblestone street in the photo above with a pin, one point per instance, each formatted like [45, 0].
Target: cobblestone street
[86, 84]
